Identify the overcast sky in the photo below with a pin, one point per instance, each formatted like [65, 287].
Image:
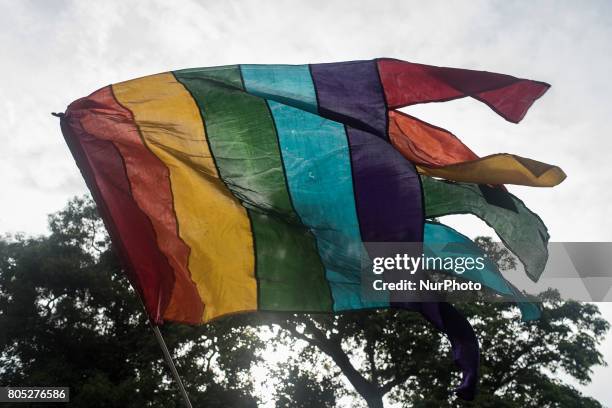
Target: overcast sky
[56, 51]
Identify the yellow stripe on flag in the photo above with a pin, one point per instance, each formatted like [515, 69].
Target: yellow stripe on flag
[210, 220]
[499, 169]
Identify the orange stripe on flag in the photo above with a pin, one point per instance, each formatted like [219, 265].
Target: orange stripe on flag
[422, 143]
[152, 192]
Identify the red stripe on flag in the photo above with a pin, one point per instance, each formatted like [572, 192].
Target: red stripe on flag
[406, 84]
[124, 176]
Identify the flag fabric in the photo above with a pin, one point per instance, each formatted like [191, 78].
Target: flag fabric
[521, 230]
[444, 242]
[256, 187]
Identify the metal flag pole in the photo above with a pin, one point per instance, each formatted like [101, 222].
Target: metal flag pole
[170, 362]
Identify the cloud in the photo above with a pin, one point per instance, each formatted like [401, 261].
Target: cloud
[55, 52]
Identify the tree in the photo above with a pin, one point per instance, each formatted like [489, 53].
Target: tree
[68, 317]
[397, 354]
[301, 390]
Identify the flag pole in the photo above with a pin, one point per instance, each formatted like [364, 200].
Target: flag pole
[170, 362]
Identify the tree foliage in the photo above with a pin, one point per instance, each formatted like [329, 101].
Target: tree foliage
[397, 354]
[68, 317]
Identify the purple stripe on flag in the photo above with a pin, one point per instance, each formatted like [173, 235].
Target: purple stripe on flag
[459, 331]
[351, 93]
[387, 190]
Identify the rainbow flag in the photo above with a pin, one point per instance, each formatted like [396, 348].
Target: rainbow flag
[256, 187]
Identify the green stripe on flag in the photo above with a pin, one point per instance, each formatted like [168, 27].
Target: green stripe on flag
[521, 230]
[243, 140]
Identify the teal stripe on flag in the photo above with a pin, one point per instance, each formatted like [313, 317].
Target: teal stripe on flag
[444, 242]
[288, 84]
[317, 164]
